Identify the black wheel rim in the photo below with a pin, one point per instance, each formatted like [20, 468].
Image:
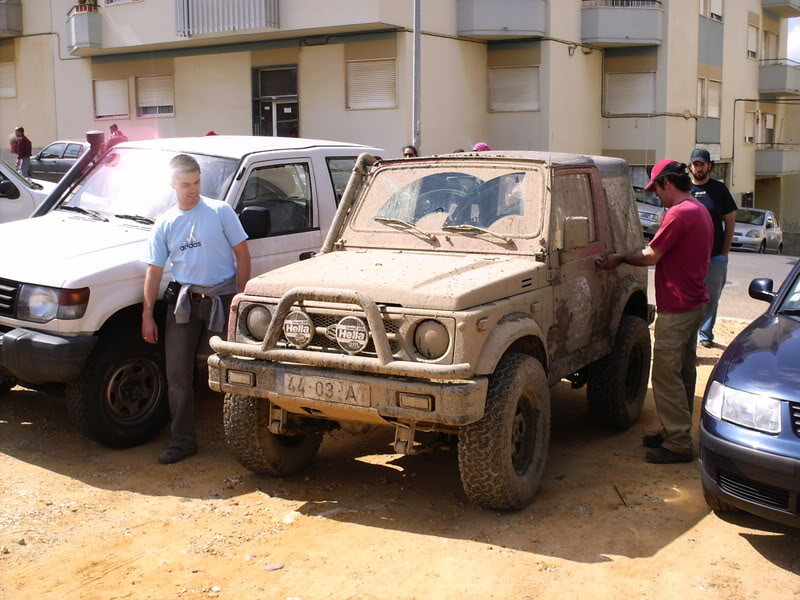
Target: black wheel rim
[134, 391]
[634, 374]
[524, 434]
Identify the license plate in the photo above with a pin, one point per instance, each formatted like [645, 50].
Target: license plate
[324, 389]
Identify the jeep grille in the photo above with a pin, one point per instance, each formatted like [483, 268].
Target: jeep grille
[9, 290]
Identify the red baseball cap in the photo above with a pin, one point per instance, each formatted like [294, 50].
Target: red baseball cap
[662, 168]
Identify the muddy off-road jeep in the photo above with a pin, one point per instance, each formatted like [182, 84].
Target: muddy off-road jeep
[450, 294]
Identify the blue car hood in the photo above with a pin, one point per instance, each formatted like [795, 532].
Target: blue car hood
[765, 358]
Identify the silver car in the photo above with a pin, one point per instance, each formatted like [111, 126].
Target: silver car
[650, 210]
[757, 230]
[56, 159]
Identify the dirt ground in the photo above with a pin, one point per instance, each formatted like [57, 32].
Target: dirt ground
[78, 520]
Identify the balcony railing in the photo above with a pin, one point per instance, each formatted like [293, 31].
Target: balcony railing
[779, 77]
[783, 8]
[10, 18]
[84, 28]
[775, 160]
[501, 19]
[195, 17]
[611, 23]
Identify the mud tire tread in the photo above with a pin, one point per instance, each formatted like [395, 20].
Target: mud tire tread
[255, 447]
[484, 457]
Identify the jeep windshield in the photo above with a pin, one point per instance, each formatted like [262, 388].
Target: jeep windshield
[457, 200]
[135, 183]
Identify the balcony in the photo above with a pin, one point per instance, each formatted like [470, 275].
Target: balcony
[610, 23]
[779, 77]
[776, 160]
[198, 17]
[783, 8]
[10, 18]
[84, 28]
[501, 19]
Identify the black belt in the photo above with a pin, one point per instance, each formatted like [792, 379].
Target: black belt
[196, 296]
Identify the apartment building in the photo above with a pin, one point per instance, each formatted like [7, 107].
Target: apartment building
[638, 79]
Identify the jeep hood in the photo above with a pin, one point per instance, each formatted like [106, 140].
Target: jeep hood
[443, 281]
[63, 249]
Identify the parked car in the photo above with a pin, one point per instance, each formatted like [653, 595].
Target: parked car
[70, 303]
[750, 426]
[450, 294]
[18, 195]
[651, 211]
[757, 230]
[54, 160]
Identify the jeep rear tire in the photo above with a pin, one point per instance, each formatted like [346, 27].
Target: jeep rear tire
[121, 398]
[617, 382]
[502, 456]
[255, 447]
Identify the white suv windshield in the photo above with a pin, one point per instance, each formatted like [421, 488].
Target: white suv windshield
[133, 181]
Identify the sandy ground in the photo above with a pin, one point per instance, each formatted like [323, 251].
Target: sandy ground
[78, 520]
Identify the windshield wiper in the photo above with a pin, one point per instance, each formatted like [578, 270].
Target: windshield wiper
[83, 211]
[137, 218]
[405, 224]
[476, 229]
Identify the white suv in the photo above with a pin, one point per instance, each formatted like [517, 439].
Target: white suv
[70, 300]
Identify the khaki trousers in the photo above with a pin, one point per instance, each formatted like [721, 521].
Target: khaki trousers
[675, 375]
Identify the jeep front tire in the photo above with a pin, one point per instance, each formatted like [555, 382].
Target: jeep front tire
[502, 456]
[255, 447]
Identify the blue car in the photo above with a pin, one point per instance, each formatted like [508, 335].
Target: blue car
[750, 426]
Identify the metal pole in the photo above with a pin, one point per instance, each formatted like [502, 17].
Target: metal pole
[415, 88]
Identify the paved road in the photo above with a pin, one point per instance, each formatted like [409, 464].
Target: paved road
[742, 268]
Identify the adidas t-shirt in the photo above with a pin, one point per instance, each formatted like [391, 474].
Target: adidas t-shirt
[198, 242]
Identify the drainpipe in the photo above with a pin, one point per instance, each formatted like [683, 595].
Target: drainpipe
[416, 85]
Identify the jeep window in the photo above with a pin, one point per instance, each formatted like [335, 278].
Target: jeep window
[499, 199]
[572, 197]
[133, 181]
[285, 192]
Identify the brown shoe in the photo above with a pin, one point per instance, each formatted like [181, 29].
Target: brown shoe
[662, 456]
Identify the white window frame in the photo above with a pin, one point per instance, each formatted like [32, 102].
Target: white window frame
[112, 115]
[170, 95]
[711, 107]
[749, 127]
[702, 97]
[752, 41]
[352, 75]
[611, 110]
[8, 79]
[498, 104]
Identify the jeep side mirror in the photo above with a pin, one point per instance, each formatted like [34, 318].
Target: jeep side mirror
[256, 222]
[8, 190]
[576, 233]
[761, 289]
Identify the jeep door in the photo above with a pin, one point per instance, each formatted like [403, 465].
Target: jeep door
[580, 292]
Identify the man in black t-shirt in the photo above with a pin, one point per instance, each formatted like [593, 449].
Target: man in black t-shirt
[714, 195]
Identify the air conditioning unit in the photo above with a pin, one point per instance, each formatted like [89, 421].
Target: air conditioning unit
[749, 139]
[751, 53]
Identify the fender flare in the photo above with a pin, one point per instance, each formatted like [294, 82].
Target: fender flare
[625, 289]
[509, 329]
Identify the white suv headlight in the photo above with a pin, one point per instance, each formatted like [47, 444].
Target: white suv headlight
[743, 408]
[41, 304]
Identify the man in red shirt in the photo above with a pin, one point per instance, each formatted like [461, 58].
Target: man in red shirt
[23, 150]
[680, 250]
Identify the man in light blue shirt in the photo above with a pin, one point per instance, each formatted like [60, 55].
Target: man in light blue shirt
[200, 237]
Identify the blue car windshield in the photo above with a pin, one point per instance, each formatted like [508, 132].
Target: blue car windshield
[791, 302]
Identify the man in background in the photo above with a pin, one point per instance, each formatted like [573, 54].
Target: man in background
[23, 149]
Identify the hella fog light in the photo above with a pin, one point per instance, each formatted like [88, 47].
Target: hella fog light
[257, 322]
[431, 339]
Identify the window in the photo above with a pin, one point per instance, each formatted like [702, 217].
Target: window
[701, 97]
[711, 9]
[769, 45]
[154, 96]
[572, 195]
[53, 151]
[709, 98]
[513, 89]
[111, 99]
[752, 41]
[284, 193]
[8, 80]
[371, 84]
[340, 169]
[73, 151]
[630, 93]
[749, 128]
[768, 135]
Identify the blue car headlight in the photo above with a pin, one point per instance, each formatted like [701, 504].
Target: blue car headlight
[743, 408]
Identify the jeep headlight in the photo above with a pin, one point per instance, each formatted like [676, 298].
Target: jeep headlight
[40, 304]
[431, 339]
[754, 233]
[743, 408]
[257, 320]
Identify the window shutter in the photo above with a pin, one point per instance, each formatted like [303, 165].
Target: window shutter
[8, 80]
[716, 9]
[752, 41]
[749, 127]
[155, 96]
[714, 98]
[110, 98]
[513, 89]
[769, 121]
[701, 97]
[371, 84]
[630, 93]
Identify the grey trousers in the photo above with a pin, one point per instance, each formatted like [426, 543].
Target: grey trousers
[182, 344]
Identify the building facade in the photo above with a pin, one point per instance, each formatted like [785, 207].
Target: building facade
[638, 79]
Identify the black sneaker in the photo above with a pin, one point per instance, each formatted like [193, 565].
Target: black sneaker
[175, 454]
[662, 456]
[706, 343]
[652, 441]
